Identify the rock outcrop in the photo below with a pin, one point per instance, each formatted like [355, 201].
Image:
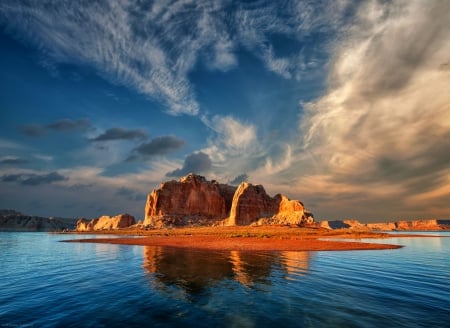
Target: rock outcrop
[252, 205]
[415, 225]
[191, 200]
[105, 223]
[195, 201]
[15, 221]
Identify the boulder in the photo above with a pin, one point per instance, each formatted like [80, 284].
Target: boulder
[105, 223]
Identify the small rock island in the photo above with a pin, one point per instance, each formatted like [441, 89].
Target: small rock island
[195, 201]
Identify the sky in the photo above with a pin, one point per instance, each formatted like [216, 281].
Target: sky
[344, 105]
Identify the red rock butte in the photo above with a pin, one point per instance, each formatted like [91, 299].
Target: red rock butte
[193, 200]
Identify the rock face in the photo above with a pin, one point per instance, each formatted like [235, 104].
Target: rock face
[251, 203]
[15, 221]
[195, 201]
[190, 200]
[105, 223]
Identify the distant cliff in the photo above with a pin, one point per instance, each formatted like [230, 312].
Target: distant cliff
[193, 200]
[11, 220]
[418, 225]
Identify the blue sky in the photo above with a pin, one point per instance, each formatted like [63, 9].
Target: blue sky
[344, 105]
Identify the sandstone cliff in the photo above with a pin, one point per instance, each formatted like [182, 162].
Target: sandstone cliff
[15, 221]
[191, 200]
[252, 205]
[195, 201]
[105, 223]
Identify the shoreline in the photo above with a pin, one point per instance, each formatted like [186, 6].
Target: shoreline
[263, 238]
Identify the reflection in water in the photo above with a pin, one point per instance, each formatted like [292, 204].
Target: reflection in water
[295, 263]
[196, 270]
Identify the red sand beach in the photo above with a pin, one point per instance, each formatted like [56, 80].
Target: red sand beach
[248, 239]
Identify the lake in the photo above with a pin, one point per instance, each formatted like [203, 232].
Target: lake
[45, 283]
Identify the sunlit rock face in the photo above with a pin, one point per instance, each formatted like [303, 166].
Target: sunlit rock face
[106, 223]
[252, 205]
[251, 202]
[195, 201]
[191, 200]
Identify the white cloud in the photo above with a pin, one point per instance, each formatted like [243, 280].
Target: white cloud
[382, 123]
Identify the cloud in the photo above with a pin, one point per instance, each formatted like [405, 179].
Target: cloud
[70, 125]
[130, 194]
[13, 161]
[64, 125]
[385, 120]
[31, 179]
[157, 147]
[153, 47]
[194, 163]
[33, 130]
[231, 134]
[239, 179]
[120, 134]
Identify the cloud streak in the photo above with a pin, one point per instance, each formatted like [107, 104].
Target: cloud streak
[32, 179]
[63, 125]
[120, 134]
[154, 47]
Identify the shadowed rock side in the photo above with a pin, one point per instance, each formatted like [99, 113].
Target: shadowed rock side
[105, 223]
[15, 221]
[195, 201]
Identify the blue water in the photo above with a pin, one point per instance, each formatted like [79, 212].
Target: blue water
[45, 283]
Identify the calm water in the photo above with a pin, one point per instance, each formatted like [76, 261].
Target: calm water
[44, 283]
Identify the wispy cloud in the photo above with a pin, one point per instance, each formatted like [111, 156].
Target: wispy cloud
[152, 47]
[385, 119]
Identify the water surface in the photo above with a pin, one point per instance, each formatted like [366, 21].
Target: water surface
[45, 283]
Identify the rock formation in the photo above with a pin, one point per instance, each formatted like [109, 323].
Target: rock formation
[15, 221]
[190, 200]
[105, 223]
[195, 201]
[429, 224]
[252, 204]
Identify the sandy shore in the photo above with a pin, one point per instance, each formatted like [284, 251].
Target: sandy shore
[246, 239]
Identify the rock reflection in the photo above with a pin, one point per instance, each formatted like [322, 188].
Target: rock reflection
[295, 263]
[196, 270]
[190, 269]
